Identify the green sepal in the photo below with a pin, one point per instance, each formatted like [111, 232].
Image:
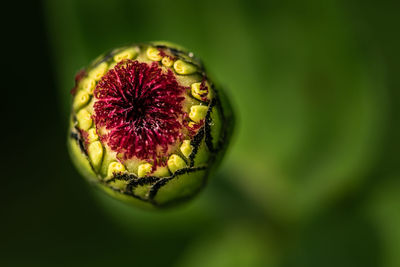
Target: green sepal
[180, 187]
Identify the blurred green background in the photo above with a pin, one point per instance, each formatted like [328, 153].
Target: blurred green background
[312, 177]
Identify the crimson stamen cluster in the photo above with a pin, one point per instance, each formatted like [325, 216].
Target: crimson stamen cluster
[141, 107]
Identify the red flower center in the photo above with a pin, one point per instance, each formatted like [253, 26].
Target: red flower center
[140, 106]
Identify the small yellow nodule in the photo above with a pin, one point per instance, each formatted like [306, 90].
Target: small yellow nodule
[198, 92]
[167, 61]
[98, 71]
[112, 65]
[92, 135]
[144, 169]
[182, 67]
[153, 54]
[84, 119]
[81, 98]
[95, 151]
[197, 113]
[186, 148]
[175, 163]
[126, 54]
[114, 167]
[88, 85]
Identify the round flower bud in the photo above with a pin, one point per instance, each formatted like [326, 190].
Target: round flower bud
[147, 124]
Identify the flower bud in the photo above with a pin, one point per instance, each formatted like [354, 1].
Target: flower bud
[148, 125]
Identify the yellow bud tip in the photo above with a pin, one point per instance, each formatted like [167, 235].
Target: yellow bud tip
[175, 163]
[88, 85]
[115, 167]
[144, 169]
[197, 113]
[98, 71]
[81, 99]
[129, 53]
[186, 148]
[112, 65]
[84, 119]
[153, 54]
[92, 135]
[95, 151]
[184, 68]
[167, 61]
[198, 93]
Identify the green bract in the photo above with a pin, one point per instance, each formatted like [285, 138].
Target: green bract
[147, 124]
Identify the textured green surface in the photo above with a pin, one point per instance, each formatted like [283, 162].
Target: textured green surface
[184, 186]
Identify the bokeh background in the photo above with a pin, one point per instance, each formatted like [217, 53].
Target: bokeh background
[312, 177]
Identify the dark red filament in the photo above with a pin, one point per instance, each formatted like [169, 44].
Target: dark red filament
[78, 78]
[204, 89]
[141, 106]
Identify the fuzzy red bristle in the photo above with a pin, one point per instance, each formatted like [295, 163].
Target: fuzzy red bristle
[141, 106]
